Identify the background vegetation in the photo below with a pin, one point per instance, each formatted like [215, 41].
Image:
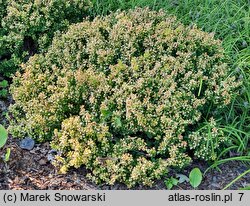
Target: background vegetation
[28, 27]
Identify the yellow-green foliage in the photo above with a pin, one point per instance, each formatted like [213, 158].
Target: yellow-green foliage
[29, 26]
[121, 94]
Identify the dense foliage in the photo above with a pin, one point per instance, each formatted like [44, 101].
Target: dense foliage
[124, 95]
[2, 9]
[3, 5]
[29, 26]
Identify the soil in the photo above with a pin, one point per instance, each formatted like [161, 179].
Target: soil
[31, 170]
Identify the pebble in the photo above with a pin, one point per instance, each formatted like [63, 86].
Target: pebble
[27, 144]
[51, 155]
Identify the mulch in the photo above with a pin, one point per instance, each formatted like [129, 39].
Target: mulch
[31, 170]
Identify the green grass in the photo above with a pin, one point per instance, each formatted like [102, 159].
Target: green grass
[229, 20]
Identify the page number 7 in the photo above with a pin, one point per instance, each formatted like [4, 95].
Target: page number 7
[241, 195]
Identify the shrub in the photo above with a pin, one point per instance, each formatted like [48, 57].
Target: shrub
[29, 27]
[122, 94]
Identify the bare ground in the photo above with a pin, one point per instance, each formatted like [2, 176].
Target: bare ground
[30, 170]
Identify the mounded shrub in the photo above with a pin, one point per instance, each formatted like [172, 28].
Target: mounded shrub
[29, 27]
[123, 95]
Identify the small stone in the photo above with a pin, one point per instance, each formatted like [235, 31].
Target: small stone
[27, 144]
[51, 155]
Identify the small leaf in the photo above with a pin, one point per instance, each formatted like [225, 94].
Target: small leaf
[174, 181]
[168, 184]
[3, 136]
[195, 177]
[245, 188]
[4, 84]
[149, 135]
[118, 122]
[3, 93]
[105, 113]
[7, 155]
[182, 178]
